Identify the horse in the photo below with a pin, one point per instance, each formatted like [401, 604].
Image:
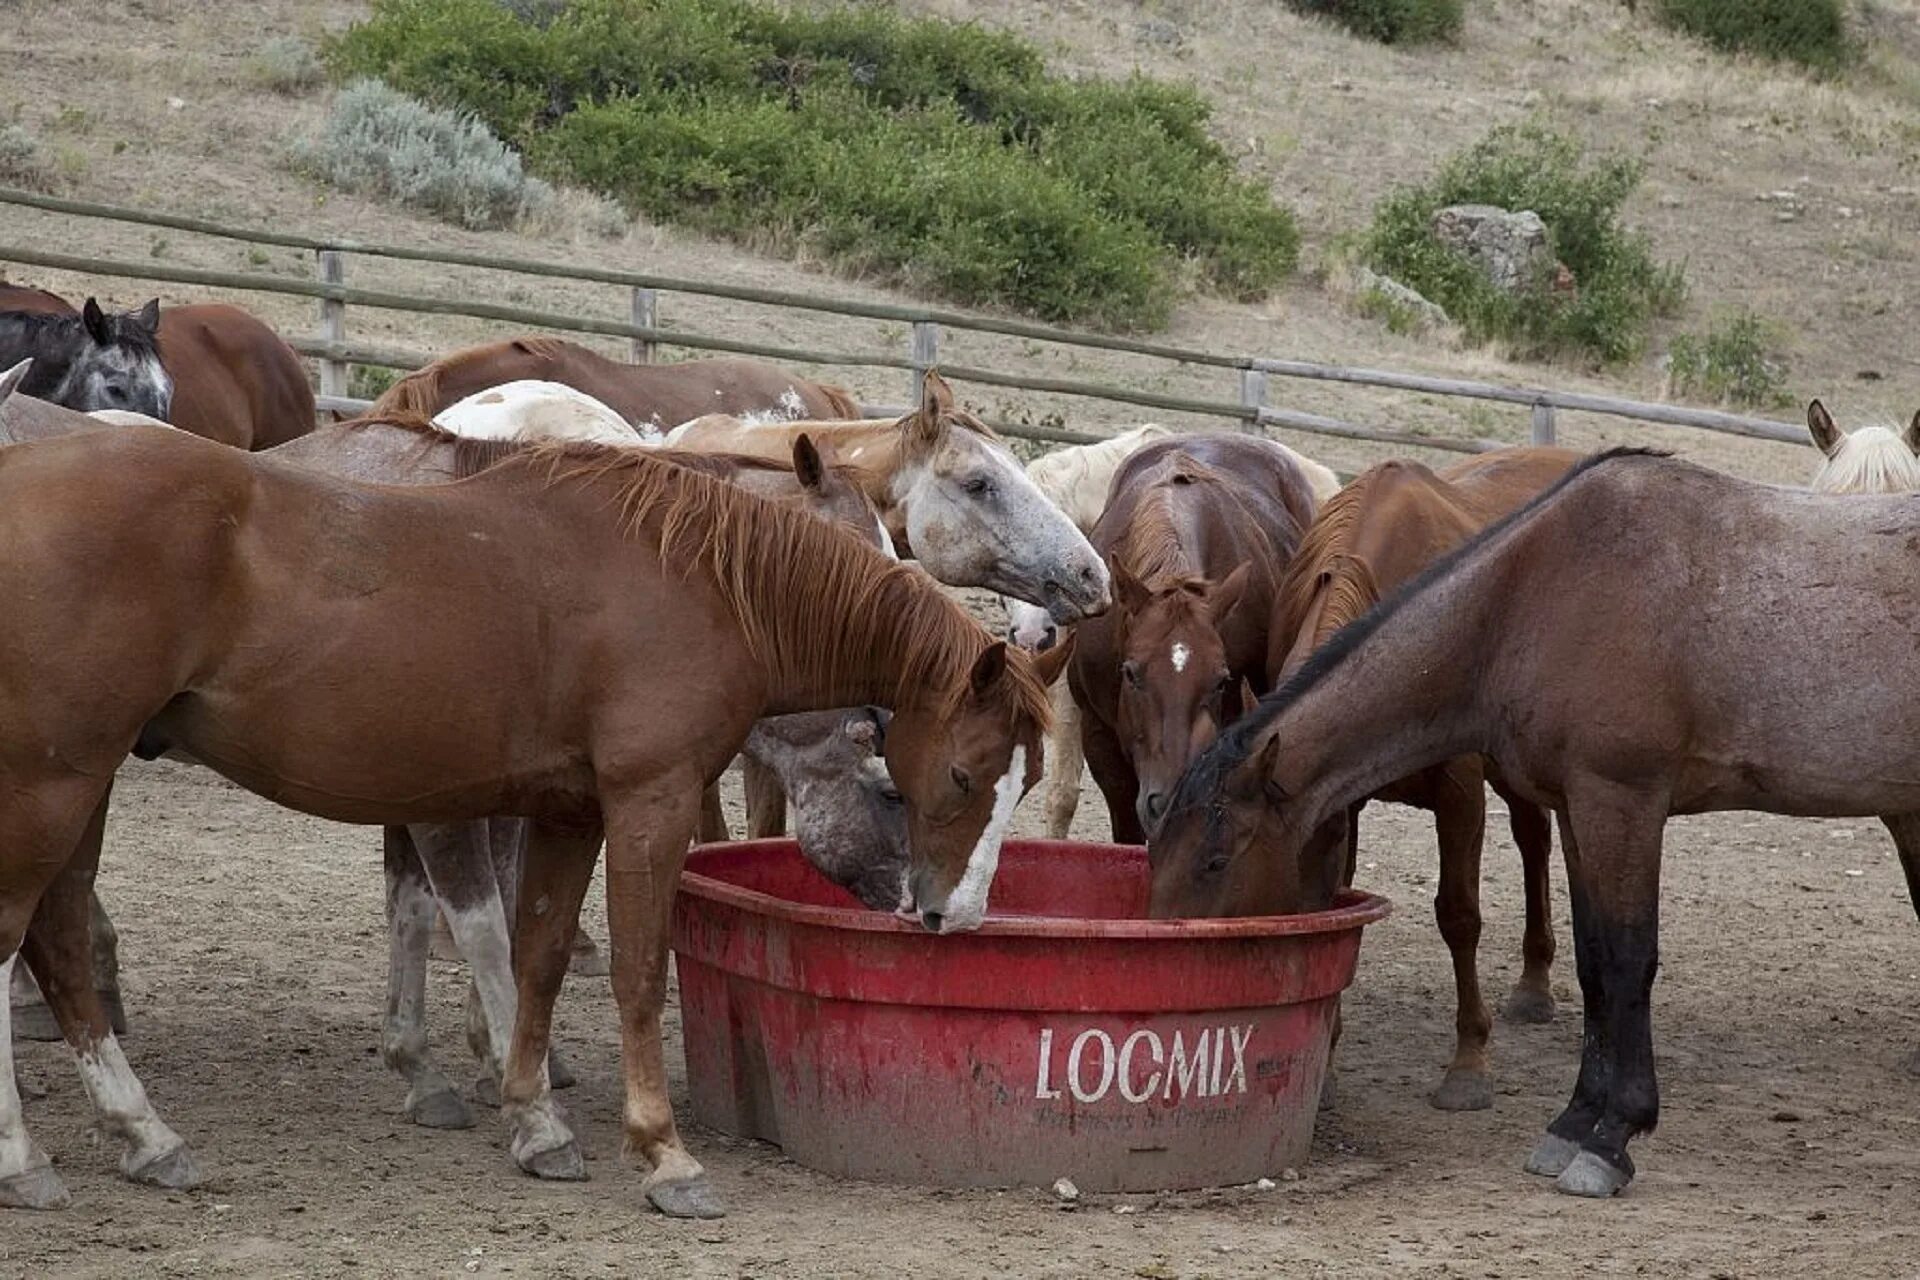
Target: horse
[1377, 533]
[234, 379]
[1872, 459]
[1197, 534]
[605, 627]
[1645, 638]
[655, 396]
[90, 359]
[1077, 479]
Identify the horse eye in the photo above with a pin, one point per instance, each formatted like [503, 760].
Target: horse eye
[1216, 864]
[978, 486]
[960, 778]
[891, 796]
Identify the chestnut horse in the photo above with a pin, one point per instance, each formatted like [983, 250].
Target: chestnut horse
[605, 627]
[1871, 459]
[1380, 531]
[1646, 638]
[1198, 532]
[234, 380]
[647, 395]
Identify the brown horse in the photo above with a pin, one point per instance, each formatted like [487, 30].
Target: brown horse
[1379, 532]
[1647, 638]
[659, 396]
[1197, 532]
[234, 380]
[579, 634]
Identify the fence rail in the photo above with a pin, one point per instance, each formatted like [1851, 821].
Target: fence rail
[334, 352]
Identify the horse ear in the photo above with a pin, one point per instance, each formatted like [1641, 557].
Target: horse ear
[1826, 433]
[928, 424]
[149, 316]
[807, 464]
[96, 323]
[1222, 598]
[1128, 591]
[13, 377]
[988, 669]
[1051, 663]
[1254, 779]
[1248, 698]
[1912, 436]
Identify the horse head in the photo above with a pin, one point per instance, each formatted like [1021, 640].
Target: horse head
[1871, 459]
[113, 362]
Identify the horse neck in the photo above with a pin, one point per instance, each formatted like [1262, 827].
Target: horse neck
[1166, 537]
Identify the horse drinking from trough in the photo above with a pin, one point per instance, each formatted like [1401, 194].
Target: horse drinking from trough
[1646, 638]
[1198, 532]
[1377, 533]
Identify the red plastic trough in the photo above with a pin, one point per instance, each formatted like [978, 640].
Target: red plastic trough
[1067, 1037]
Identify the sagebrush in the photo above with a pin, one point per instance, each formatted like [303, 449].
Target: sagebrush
[378, 141]
[1810, 32]
[1735, 361]
[288, 64]
[21, 164]
[1617, 285]
[1391, 21]
[940, 153]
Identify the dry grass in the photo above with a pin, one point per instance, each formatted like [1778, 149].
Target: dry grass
[1331, 120]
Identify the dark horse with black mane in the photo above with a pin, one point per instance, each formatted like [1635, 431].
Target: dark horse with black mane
[87, 359]
[1647, 638]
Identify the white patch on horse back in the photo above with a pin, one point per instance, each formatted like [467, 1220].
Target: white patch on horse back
[128, 418]
[967, 904]
[530, 409]
[1180, 655]
[792, 405]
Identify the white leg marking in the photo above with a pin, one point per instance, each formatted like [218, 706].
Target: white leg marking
[481, 934]
[17, 1152]
[122, 1105]
[967, 904]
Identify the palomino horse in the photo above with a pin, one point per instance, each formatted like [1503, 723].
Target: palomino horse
[89, 359]
[646, 395]
[1077, 479]
[1378, 532]
[234, 380]
[1646, 638]
[1870, 460]
[1198, 532]
[606, 627]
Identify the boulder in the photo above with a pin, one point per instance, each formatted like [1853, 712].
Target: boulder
[1510, 248]
[1426, 313]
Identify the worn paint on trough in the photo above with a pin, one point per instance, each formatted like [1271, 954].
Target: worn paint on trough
[1067, 1037]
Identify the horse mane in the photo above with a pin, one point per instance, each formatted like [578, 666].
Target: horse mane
[1870, 460]
[1324, 560]
[419, 392]
[1211, 768]
[1151, 549]
[811, 601]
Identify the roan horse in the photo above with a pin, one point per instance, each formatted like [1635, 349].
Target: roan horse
[1377, 533]
[87, 360]
[1870, 460]
[606, 627]
[656, 396]
[1630, 645]
[1198, 532]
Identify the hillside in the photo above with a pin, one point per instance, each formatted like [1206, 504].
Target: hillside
[153, 104]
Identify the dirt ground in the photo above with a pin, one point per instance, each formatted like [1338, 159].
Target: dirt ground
[254, 967]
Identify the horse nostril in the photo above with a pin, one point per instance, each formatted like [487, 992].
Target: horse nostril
[1156, 804]
[931, 919]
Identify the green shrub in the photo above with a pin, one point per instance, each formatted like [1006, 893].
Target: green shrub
[1810, 32]
[379, 141]
[287, 64]
[370, 382]
[938, 153]
[1392, 21]
[1619, 286]
[1734, 362]
[21, 164]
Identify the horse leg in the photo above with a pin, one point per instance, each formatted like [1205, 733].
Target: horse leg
[59, 946]
[1561, 1142]
[1532, 998]
[106, 955]
[766, 800]
[33, 1020]
[1458, 796]
[1905, 829]
[713, 818]
[507, 843]
[27, 1179]
[1619, 830]
[1330, 1083]
[1065, 761]
[647, 834]
[1113, 774]
[556, 867]
[431, 1101]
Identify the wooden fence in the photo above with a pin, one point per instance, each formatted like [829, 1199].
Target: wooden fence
[330, 346]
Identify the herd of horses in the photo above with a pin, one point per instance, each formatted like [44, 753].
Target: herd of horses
[534, 602]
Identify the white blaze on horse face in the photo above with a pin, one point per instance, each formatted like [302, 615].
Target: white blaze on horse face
[1180, 655]
[967, 904]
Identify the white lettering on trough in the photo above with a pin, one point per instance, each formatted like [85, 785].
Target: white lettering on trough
[1143, 1066]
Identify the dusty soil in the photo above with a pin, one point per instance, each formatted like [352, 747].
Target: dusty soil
[254, 954]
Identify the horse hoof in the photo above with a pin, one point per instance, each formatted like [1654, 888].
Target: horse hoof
[559, 1074]
[685, 1198]
[1528, 1005]
[1462, 1090]
[173, 1170]
[440, 1110]
[35, 1022]
[588, 961]
[486, 1091]
[563, 1163]
[1551, 1155]
[36, 1188]
[1592, 1177]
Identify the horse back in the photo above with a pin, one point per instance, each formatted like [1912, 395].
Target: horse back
[234, 379]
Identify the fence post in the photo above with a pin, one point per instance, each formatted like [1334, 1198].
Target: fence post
[333, 323]
[1253, 394]
[1543, 431]
[925, 354]
[646, 315]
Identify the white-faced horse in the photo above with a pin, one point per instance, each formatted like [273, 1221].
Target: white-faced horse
[1872, 459]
